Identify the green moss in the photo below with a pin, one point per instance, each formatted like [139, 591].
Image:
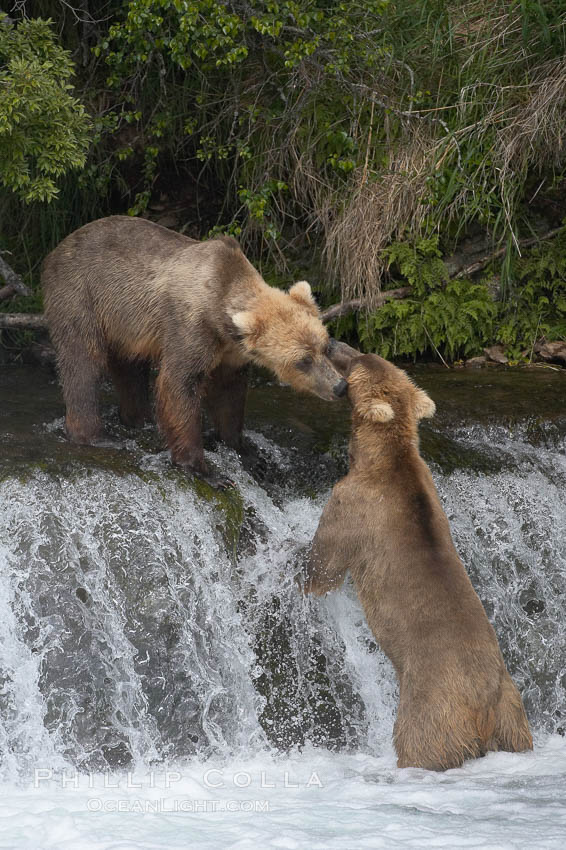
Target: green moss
[87, 460]
[230, 507]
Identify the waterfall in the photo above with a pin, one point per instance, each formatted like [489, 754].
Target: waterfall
[140, 624]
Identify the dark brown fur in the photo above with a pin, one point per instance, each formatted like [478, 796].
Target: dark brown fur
[384, 522]
[122, 292]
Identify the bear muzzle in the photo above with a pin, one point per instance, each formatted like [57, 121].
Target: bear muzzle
[340, 388]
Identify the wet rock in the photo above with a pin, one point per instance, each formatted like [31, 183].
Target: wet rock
[534, 606]
[554, 352]
[42, 353]
[496, 353]
[475, 362]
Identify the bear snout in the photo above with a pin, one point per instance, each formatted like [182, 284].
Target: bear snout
[340, 388]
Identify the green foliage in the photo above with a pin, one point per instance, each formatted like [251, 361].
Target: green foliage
[211, 35]
[456, 320]
[463, 102]
[457, 317]
[337, 136]
[452, 316]
[257, 83]
[43, 129]
[420, 264]
[490, 75]
[537, 305]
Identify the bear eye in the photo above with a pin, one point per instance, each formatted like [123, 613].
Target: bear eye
[304, 364]
[330, 347]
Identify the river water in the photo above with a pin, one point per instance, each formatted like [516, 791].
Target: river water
[164, 684]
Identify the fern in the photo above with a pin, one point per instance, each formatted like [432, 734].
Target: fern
[421, 264]
[536, 306]
[458, 318]
[451, 316]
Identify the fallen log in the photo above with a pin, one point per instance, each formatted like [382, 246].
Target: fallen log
[23, 321]
[480, 264]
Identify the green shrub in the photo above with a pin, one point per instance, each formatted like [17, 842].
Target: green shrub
[536, 304]
[458, 317]
[451, 316]
[44, 131]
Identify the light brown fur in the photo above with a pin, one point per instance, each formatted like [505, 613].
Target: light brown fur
[384, 522]
[122, 292]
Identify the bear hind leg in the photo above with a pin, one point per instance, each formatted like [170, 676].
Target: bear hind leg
[512, 731]
[435, 731]
[80, 374]
[131, 380]
[435, 748]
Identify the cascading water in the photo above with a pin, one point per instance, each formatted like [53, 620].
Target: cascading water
[131, 634]
[142, 624]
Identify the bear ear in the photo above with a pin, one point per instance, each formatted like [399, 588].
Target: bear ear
[302, 293]
[245, 321]
[378, 411]
[424, 406]
[342, 356]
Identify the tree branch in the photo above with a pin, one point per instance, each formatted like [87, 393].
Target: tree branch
[14, 283]
[355, 304]
[523, 243]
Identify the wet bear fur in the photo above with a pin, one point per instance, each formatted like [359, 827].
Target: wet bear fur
[384, 522]
[122, 293]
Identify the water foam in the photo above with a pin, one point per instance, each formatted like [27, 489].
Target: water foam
[133, 639]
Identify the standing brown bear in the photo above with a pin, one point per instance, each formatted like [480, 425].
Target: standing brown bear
[121, 293]
[384, 522]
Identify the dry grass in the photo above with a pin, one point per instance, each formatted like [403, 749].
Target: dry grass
[534, 134]
[449, 107]
[381, 207]
[509, 130]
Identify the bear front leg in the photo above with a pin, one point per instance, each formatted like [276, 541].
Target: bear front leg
[178, 410]
[329, 559]
[225, 402]
[323, 574]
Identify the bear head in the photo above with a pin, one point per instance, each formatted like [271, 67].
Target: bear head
[383, 395]
[283, 332]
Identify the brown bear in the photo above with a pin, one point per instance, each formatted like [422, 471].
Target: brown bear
[121, 293]
[384, 522]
